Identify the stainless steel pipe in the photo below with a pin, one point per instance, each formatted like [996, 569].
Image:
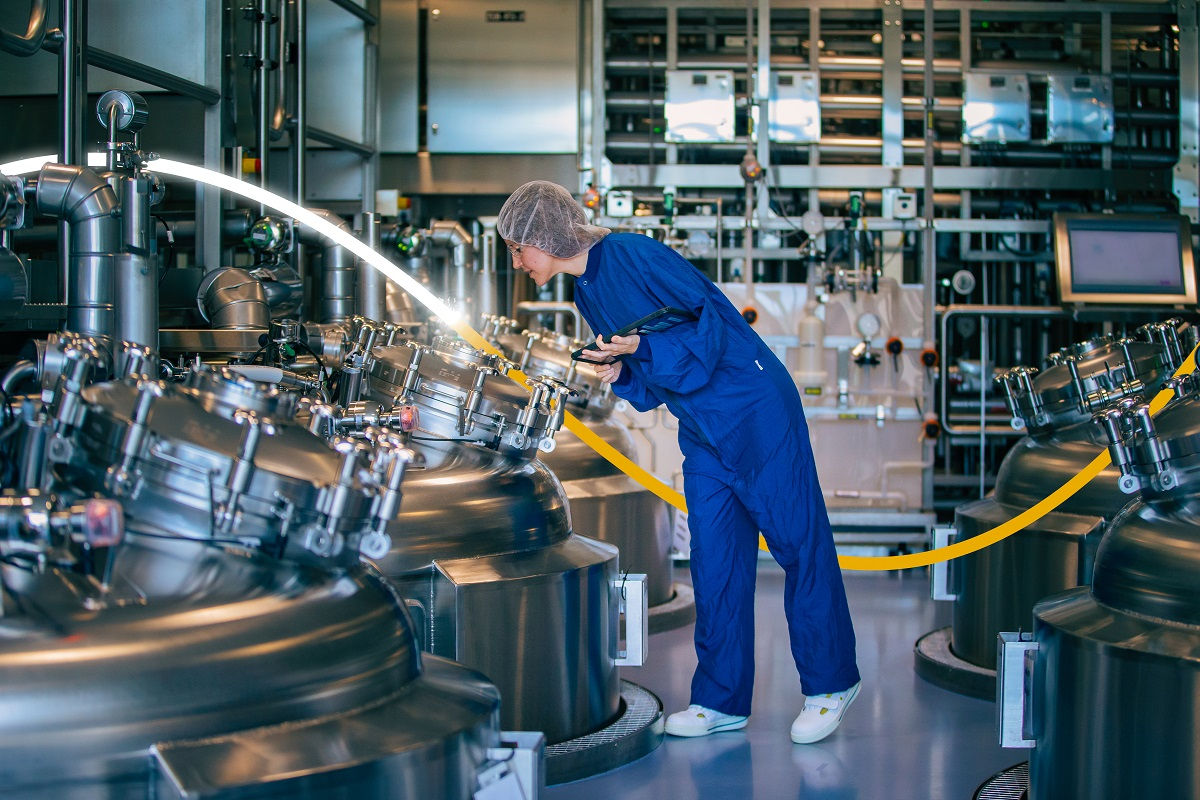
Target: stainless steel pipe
[83, 199]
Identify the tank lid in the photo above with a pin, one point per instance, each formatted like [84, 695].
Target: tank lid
[223, 391]
[1081, 378]
[1148, 563]
[1157, 455]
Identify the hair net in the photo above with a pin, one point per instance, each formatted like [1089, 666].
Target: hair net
[544, 215]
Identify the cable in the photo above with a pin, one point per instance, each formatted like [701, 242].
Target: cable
[170, 257]
[1026, 254]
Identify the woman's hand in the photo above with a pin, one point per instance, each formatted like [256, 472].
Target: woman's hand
[608, 373]
[620, 345]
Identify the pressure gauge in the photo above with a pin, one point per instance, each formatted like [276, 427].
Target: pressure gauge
[813, 222]
[868, 325]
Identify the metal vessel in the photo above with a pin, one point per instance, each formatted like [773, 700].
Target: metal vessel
[605, 503]
[483, 549]
[1116, 666]
[232, 644]
[995, 589]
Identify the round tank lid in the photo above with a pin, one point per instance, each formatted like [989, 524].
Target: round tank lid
[1148, 563]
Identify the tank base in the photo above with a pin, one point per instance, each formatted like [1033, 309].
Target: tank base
[680, 610]
[1009, 784]
[635, 733]
[936, 663]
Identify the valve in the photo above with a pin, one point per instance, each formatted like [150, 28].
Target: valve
[894, 347]
[930, 428]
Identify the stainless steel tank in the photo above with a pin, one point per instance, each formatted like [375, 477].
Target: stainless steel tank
[994, 589]
[1116, 665]
[605, 503]
[483, 549]
[233, 644]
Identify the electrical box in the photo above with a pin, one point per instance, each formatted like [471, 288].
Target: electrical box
[699, 106]
[795, 113]
[904, 206]
[618, 204]
[995, 107]
[1079, 108]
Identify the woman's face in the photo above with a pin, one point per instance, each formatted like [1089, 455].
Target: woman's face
[536, 263]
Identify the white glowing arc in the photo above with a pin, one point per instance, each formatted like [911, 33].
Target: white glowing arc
[257, 194]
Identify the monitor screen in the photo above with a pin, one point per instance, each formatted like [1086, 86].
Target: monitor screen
[1124, 258]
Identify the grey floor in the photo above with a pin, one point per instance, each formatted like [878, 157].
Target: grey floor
[903, 739]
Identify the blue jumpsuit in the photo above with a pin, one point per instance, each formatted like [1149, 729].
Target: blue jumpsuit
[748, 467]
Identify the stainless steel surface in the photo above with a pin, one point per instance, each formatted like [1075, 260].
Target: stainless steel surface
[699, 106]
[337, 274]
[136, 267]
[398, 69]
[337, 98]
[238, 670]
[610, 506]
[483, 547]
[604, 502]
[995, 107]
[204, 340]
[371, 283]
[480, 69]
[1110, 689]
[1118, 660]
[232, 299]
[190, 659]
[1079, 108]
[997, 587]
[80, 197]
[463, 394]
[1014, 659]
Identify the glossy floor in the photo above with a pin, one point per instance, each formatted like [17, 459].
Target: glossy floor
[903, 739]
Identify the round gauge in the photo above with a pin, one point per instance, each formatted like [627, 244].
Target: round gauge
[868, 325]
[963, 282]
[813, 222]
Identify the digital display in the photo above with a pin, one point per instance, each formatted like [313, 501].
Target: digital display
[1139, 262]
[1130, 259]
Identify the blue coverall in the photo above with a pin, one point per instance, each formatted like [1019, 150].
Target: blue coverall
[748, 467]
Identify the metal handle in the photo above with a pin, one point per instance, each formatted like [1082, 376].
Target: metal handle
[632, 591]
[939, 575]
[1014, 700]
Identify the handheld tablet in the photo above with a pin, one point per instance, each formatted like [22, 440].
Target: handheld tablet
[660, 320]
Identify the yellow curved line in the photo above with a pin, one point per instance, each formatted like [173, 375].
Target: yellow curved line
[907, 561]
[1022, 520]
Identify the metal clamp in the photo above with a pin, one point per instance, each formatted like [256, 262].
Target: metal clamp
[939, 573]
[631, 590]
[516, 770]
[1014, 702]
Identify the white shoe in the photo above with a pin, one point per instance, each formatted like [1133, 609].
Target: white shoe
[701, 721]
[821, 715]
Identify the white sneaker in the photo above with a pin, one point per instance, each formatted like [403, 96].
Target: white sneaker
[821, 715]
[701, 721]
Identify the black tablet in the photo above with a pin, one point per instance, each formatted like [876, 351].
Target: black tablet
[661, 320]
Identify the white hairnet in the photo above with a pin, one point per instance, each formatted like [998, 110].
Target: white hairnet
[544, 215]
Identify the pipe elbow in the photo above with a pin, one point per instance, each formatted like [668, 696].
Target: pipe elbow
[74, 193]
[20, 371]
[35, 32]
[449, 234]
[310, 237]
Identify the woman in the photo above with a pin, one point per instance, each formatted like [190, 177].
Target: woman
[748, 465]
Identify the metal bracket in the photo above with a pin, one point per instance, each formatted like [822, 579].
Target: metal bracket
[939, 573]
[1014, 700]
[631, 590]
